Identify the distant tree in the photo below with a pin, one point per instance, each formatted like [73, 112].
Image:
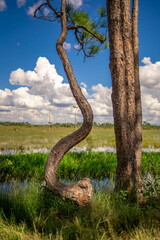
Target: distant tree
[90, 42]
[126, 95]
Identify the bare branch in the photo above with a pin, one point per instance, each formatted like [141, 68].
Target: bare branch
[58, 13]
[49, 17]
[38, 9]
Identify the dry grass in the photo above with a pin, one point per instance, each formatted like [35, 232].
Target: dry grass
[23, 138]
[13, 232]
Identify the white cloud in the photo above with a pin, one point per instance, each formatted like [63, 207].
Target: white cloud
[44, 81]
[83, 84]
[22, 98]
[67, 46]
[42, 90]
[46, 11]
[21, 3]
[150, 74]
[77, 46]
[101, 103]
[3, 5]
[32, 9]
[146, 60]
[75, 3]
[150, 82]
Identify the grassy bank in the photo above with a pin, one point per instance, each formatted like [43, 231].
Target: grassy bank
[35, 213]
[27, 138]
[30, 211]
[74, 165]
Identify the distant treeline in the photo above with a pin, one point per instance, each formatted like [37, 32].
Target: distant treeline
[145, 125]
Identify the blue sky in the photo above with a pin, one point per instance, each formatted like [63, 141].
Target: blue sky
[24, 39]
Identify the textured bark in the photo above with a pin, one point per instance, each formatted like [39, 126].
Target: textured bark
[138, 122]
[124, 66]
[82, 191]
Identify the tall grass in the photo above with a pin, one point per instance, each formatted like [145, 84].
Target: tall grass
[35, 211]
[74, 165]
[27, 138]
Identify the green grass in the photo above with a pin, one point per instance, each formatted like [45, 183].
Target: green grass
[74, 165]
[31, 211]
[35, 213]
[27, 138]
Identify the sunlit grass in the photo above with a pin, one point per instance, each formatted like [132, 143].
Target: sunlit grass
[33, 212]
[151, 138]
[27, 138]
[97, 165]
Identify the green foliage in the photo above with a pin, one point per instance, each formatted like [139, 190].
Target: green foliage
[73, 166]
[151, 163]
[22, 166]
[89, 34]
[149, 126]
[8, 123]
[151, 179]
[36, 210]
[145, 125]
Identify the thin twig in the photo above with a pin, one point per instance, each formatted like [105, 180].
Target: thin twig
[58, 13]
[87, 30]
[39, 8]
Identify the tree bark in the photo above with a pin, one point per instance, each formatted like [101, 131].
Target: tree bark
[82, 191]
[126, 100]
[138, 120]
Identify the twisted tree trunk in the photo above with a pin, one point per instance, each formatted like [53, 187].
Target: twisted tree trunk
[81, 192]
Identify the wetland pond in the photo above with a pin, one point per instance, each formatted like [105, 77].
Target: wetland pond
[13, 187]
[7, 151]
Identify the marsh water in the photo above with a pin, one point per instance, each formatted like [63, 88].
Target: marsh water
[12, 187]
[7, 151]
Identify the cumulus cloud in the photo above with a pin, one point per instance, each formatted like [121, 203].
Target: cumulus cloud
[75, 3]
[67, 46]
[150, 74]
[3, 5]
[150, 82]
[21, 3]
[83, 84]
[44, 81]
[42, 91]
[146, 60]
[32, 9]
[77, 46]
[101, 103]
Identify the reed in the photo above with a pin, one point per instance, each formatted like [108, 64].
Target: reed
[97, 165]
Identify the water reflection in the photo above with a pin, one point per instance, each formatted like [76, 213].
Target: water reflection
[98, 185]
[12, 187]
[8, 151]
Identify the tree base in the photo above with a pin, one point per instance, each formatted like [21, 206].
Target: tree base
[80, 192]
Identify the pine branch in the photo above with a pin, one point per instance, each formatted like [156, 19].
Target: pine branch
[87, 30]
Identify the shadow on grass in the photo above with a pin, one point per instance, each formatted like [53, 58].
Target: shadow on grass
[108, 218]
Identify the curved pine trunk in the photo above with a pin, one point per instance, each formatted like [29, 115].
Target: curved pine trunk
[82, 191]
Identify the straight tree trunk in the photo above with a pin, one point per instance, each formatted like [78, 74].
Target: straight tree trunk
[126, 99]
